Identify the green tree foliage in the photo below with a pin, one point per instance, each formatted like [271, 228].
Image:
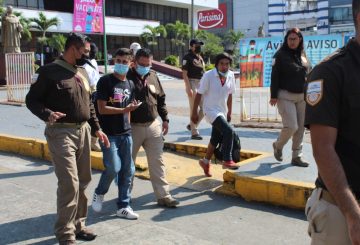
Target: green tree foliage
[57, 41]
[178, 32]
[232, 39]
[151, 34]
[172, 60]
[212, 46]
[43, 24]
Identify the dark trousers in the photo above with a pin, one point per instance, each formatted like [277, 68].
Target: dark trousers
[223, 132]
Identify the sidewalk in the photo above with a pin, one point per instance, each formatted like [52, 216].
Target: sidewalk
[28, 206]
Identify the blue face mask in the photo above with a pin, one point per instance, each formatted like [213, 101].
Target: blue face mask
[121, 69]
[224, 74]
[142, 70]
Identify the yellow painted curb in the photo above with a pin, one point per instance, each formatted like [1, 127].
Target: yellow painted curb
[282, 192]
[199, 150]
[250, 187]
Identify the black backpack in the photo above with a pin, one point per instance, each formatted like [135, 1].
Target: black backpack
[235, 151]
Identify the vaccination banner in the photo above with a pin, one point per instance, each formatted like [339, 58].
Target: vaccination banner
[88, 16]
[256, 56]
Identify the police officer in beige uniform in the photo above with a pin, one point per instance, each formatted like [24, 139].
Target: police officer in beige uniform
[333, 117]
[61, 97]
[193, 68]
[288, 76]
[147, 131]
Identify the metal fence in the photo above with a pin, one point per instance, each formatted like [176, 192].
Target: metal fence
[255, 105]
[20, 69]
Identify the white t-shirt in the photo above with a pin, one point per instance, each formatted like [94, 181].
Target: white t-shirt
[215, 95]
[92, 73]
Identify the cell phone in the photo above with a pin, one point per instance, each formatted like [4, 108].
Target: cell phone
[138, 104]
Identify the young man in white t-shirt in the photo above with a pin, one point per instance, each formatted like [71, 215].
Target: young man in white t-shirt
[217, 87]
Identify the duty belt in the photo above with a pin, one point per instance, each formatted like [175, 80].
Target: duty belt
[66, 125]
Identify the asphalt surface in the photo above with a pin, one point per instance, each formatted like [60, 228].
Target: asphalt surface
[27, 209]
[28, 212]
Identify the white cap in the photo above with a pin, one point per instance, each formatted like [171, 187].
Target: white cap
[135, 47]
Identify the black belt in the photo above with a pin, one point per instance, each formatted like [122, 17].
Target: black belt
[66, 125]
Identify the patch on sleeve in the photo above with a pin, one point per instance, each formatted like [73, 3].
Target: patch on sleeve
[314, 92]
[34, 78]
[273, 62]
[184, 62]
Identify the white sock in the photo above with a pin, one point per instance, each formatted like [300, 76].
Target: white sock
[206, 161]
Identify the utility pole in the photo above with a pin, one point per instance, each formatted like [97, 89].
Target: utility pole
[192, 19]
[105, 46]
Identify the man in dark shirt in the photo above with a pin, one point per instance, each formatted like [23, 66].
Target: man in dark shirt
[115, 102]
[61, 97]
[333, 116]
[193, 68]
[147, 131]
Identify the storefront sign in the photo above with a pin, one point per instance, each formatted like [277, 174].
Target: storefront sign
[215, 18]
[88, 16]
[256, 56]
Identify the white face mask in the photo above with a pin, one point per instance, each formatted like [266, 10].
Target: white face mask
[252, 46]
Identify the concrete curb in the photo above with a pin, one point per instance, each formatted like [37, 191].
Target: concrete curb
[281, 192]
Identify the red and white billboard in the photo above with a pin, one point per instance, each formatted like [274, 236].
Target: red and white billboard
[214, 18]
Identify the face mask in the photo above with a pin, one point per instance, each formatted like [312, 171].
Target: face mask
[121, 69]
[142, 70]
[198, 49]
[81, 61]
[224, 74]
[252, 46]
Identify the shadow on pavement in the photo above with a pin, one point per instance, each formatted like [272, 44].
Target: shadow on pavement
[268, 168]
[27, 229]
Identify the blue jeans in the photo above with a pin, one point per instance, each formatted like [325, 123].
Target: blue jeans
[222, 131]
[117, 161]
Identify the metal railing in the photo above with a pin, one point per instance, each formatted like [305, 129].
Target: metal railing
[20, 69]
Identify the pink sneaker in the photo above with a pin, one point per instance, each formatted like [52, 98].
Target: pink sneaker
[230, 165]
[205, 167]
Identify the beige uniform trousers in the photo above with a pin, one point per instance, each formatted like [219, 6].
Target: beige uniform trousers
[194, 85]
[291, 107]
[70, 152]
[327, 224]
[149, 136]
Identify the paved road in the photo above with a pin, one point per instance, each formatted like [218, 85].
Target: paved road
[27, 213]
[27, 209]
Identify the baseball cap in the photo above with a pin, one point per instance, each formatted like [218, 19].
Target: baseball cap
[195, 41]
[135, 46]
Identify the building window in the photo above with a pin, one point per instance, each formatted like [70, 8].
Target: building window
[340, 15]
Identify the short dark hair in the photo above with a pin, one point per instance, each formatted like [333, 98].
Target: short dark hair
[75, 39]
[93, 50]
[123, 52]
[355, 10]
[223, 56]
[252, 41]
[144, 52]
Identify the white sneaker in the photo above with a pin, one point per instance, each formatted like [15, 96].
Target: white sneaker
[97, 202]
[127, 213]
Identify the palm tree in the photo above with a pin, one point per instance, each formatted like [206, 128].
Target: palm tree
[43, 24]
[57, 41]
[232, 39]
[151, 34]
[180, 32]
